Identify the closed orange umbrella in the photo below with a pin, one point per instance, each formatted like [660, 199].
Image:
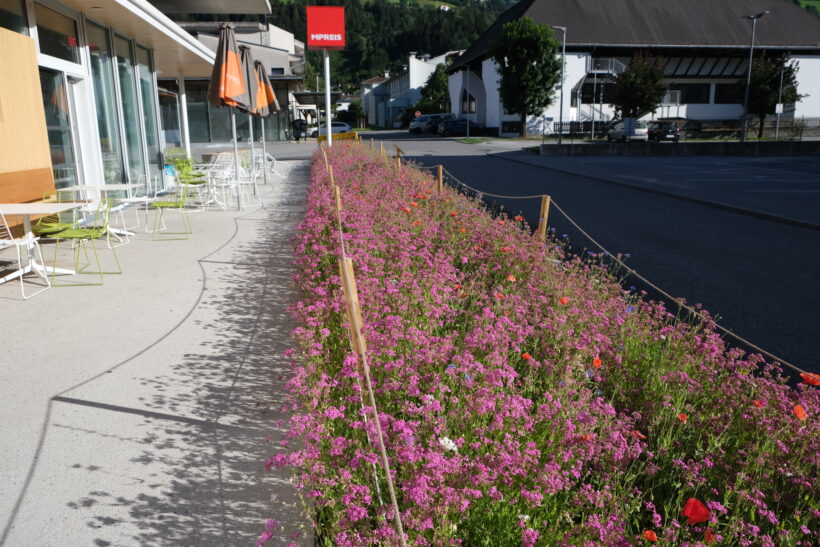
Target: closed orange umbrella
[266, 104]
[228, 87]
[228, 84]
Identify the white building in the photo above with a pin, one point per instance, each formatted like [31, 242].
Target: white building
[403, 90]
[703, 46]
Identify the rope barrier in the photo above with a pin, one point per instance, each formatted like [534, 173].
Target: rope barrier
[633, 272]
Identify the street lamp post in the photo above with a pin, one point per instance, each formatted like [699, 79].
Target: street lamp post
[753, 19]
[563, 68]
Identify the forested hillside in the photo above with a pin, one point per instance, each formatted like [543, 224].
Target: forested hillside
[382, 33]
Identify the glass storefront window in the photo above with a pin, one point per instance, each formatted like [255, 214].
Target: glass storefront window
[149, 110]
[130, 108]
[58, 124]
[57, 34]
[13, 15]
[106, 104]
[197, 99]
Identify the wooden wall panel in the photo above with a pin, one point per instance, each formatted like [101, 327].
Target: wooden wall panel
[25, 156]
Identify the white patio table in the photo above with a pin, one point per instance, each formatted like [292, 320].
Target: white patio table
[25, 210]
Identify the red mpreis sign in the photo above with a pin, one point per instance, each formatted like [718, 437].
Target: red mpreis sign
[325, 27]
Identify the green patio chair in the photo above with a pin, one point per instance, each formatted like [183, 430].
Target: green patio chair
[82, 236]
[177, 203]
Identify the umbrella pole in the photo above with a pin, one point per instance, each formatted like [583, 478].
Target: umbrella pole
[236, 160]
[264, 154]
[253, 161]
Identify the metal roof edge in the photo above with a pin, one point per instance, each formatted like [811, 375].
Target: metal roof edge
[148, 12]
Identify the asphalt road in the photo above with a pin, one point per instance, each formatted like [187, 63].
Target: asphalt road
[759, 277]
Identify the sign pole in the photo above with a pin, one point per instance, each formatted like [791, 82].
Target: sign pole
[326, 55]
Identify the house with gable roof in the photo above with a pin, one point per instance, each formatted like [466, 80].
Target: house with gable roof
[703, 46]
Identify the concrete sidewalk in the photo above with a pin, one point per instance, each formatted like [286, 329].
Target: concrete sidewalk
[141, 412]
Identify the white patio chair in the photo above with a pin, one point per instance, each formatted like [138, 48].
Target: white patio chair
[26, 245]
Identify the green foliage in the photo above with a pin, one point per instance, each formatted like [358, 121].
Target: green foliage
[640, 88]
[382, 33]
[764, 88]
[526, 55]
[435, 97]
[353, 115]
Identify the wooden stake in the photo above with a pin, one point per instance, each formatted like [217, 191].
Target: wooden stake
[337, 193]
[542, 218]
[330, 172]
[381, 149]
[354, 313]
[371, 143]
[440, 169]
[398, 161]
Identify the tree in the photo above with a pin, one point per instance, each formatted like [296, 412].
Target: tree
[639, 88]
[435, 97]
[526, 55]
[353, 115]
[764, 89]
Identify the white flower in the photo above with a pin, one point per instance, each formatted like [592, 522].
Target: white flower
[525, 518]
[447, 444]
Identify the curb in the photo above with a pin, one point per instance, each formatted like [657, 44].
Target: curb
[716, 204]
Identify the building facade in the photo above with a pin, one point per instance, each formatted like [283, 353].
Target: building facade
[703, 47]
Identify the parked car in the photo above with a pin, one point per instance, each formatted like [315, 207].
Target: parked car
[618, 132]
[335, 127]
[458, 128]
[436, 120]
[662, 131]
[419, 123]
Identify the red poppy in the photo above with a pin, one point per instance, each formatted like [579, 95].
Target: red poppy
[564, 301]
[504, 249]
[518, 218]
[596, 363]
[454, 213]
[800, 412]
[407, 209]
[464, 230]
[649, 535]
[683, 417]
[587, 438]
[414, 204]
[526, 356]
[758, 403]
[709, 537]
[695, 511]
[501, 223]
[638, 434]
[511, 278]
[811, 378]
[500, 296]
[457, 286]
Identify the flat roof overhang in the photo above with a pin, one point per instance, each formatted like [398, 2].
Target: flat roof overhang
[175, 51]
[256, 7]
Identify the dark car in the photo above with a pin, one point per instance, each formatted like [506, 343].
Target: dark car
[458, 128]
[662, 131]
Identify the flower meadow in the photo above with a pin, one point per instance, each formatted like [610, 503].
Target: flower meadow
[525, 397]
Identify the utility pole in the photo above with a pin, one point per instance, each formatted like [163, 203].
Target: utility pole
[563, 70]
[753, 19]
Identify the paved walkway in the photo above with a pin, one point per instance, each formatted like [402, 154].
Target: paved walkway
[141, 412]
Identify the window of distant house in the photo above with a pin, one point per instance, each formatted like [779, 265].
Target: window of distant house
[467, 103]
[692, 93]
[13, 15]
[728, 94]
[57, 34]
